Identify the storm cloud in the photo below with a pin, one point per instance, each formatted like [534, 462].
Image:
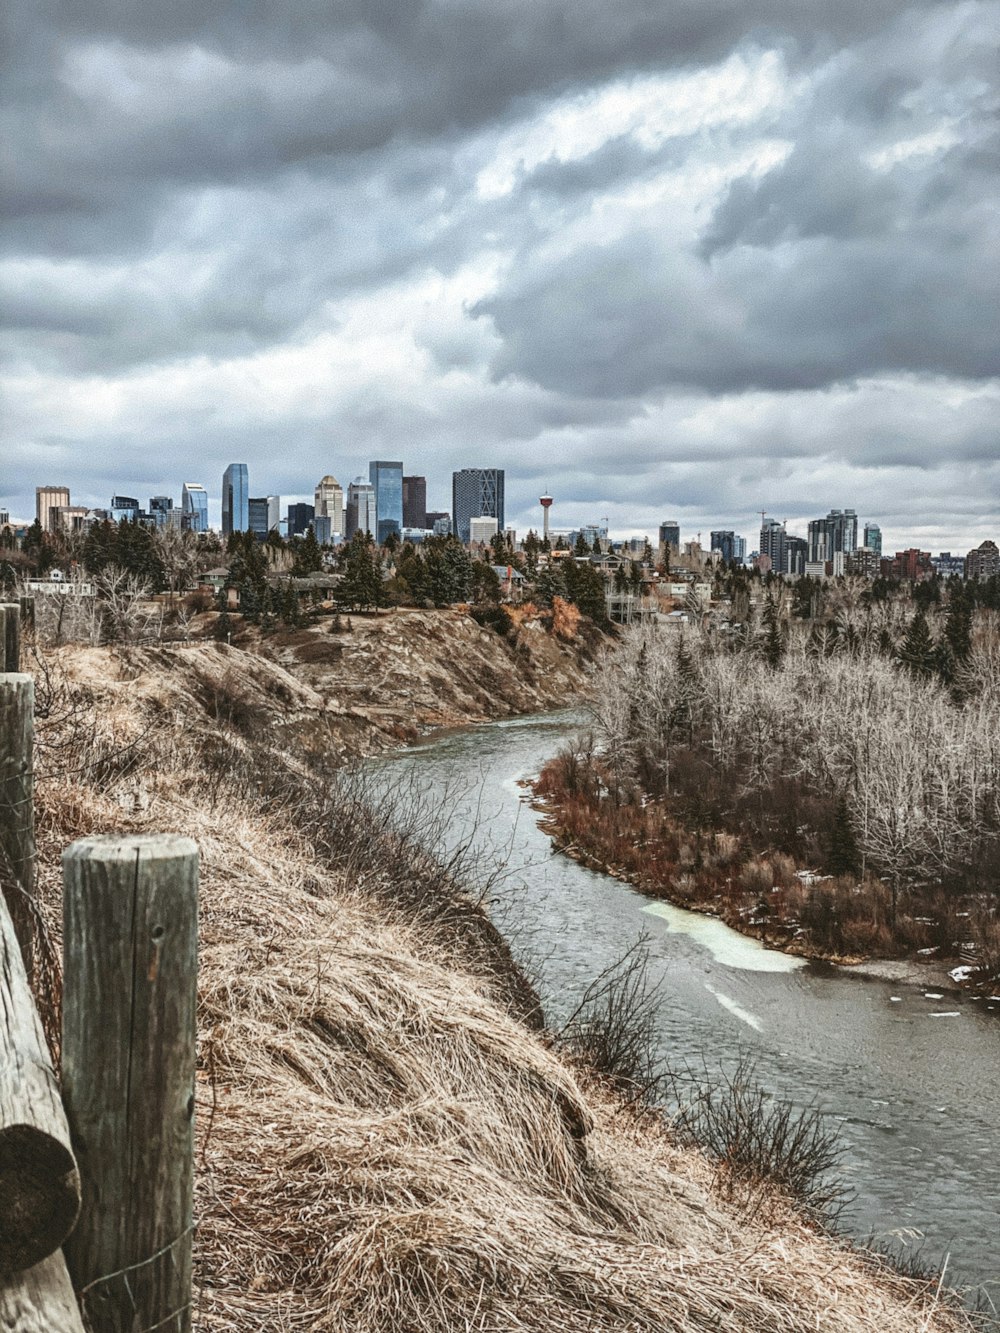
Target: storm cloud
[688, 260]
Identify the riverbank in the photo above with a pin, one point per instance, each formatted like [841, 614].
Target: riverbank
[766, 896]
[383, 1143]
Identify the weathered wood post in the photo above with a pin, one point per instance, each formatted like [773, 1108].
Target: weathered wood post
[39, 1183]
[128, 1061]
[17, 808]
[10, 620]
[40, 1299]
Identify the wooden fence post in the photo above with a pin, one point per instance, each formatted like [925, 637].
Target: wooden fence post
[39, 1183]
[10, 619]
[17, 808]
[130, 936]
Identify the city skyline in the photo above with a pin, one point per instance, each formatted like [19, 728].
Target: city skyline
[688, 261]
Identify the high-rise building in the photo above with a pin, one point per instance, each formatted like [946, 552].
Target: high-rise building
[983, 562]
[772, 543]
[670, 536]
[476, 492]
[414, 502]
[48, 498]
[838, 532]
[360, 515]
[160, 509]
[729, 544]
[124, 508]
[873, 538]
[235, 499]
[264, 513]
[387, 481]
[299, 518]
[796, 555]
[194, 507]
[330, 504]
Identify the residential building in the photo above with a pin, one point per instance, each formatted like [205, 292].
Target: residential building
[873, 538]
[330, 504]
[414, 502]
[910, 564]
[48, 498]
[796, 555]
[481, 529]
[837, 532]
[772, 544]
[386, 479]
[864, 562]
[300, 516]
[235, 499]
[194, 507]
[476, 492]
[361, 513]
[983, 562]
[730, 545]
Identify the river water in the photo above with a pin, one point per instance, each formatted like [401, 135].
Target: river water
[909, 1081]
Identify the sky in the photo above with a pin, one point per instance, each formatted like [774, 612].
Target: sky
[665, 259]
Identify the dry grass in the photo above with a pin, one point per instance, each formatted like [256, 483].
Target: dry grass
[382, 1147]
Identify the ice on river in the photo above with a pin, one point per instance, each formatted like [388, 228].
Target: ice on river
[723, 943]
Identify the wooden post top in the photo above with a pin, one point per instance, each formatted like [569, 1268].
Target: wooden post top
[115, 847]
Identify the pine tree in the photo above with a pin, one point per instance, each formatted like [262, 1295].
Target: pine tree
[917, 650]
[772, 644]
[308, 556]
[844, 858]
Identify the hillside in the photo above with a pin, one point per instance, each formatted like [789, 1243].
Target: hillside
[383, 1143]
[379, 680]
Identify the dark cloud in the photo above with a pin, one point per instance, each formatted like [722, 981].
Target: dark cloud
[263, 231]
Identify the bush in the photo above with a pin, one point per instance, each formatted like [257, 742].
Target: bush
[492, 616]
[613, 1030]
[758, 1141]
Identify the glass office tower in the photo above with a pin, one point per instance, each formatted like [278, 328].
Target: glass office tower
[476, 492]
[235, 499]
[387, 482]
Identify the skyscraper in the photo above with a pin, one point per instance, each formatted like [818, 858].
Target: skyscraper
[873, 538]
[387, 482]
[838, 532]
[264, 513]
[194, 507]
[731, 546]
[772, 543]
[235, 499]
[299, 518]
[330, 504]
[360, 513]
[414, 502]
[476, 492]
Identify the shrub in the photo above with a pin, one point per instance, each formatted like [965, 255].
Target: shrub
[492, 616]
[613, 1030]
[757, 1140]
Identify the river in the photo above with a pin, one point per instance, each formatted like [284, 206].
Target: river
[908, 1076]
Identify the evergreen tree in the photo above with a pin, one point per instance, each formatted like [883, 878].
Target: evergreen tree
[308, 556]
[916, 652]
[585, 588]
[844, 857]
[580, 546]
[362, 586]
[772, 644]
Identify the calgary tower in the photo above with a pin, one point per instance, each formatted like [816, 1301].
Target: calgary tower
[546, 503]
